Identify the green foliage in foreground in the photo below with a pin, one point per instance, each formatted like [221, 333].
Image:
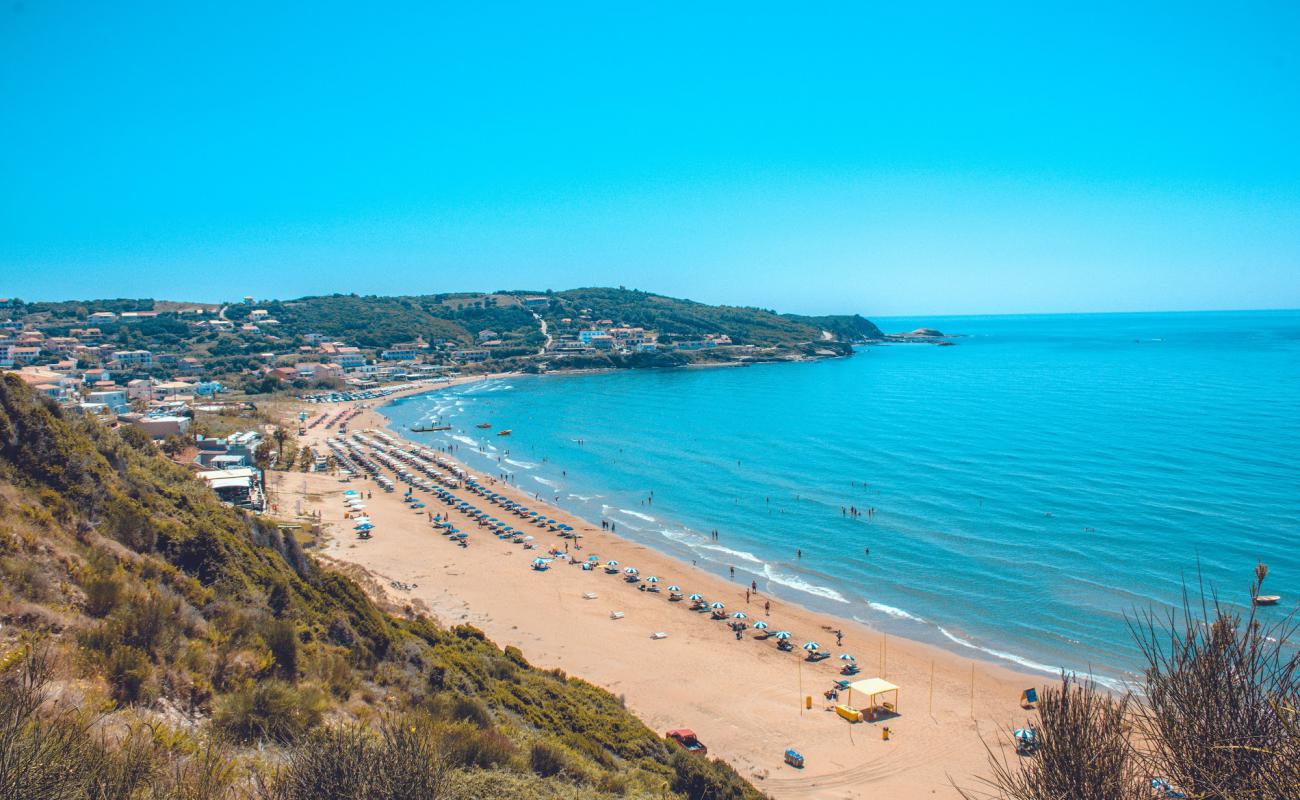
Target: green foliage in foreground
[194, 651]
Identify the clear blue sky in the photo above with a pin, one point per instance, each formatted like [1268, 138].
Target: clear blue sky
[954, 158]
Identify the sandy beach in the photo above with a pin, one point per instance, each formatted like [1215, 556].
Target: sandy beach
[744, 698]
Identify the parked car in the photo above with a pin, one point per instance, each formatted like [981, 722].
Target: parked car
[686, 738]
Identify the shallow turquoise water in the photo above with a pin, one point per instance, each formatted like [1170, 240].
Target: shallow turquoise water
[1032, 484]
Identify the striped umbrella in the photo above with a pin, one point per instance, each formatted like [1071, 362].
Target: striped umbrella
[674, 588]
[811, 647]
[652, 579]
[631, 571]
[760, 625]
[716, 606]
[846, 657]
[782, 635]
[611, 563]
[697, 597]
[740, 615]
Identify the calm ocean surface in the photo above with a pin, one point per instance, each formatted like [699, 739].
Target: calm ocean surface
[1032, 484]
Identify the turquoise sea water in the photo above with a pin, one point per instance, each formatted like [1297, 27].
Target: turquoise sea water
[1032, 484]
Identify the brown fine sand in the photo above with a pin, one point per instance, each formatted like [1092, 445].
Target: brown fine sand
[745, 699]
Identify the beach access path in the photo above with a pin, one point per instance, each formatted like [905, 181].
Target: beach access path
[744, 698]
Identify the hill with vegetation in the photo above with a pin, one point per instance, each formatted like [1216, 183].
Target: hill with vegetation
[677, 319]
[157, 644]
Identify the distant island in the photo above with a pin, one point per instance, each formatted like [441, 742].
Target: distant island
[352, 341]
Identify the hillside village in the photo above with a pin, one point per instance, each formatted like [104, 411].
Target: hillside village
[153, 357]
[159, 366]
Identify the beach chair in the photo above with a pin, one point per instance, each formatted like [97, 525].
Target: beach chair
[658, 635]
[850, 669]
[818, 655]
[616, 615]
[784, 645]
[589, 595]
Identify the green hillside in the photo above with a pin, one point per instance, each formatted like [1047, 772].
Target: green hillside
[686, 319]
[157, 644]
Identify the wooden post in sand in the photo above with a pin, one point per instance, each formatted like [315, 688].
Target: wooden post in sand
[932, 687]
[972, 690]
[884, 655]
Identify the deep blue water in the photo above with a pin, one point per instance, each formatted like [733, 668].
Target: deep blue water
[1032, 484]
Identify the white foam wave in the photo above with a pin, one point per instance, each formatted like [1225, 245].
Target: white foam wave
[741, 554]
[582, 498]
[799, 584]
[896, 613]
[464, 440]
[546, 482]
[520, 464]
[637, 514]
[1028, 663]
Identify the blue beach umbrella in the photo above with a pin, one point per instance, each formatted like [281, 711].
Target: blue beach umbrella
[846, 657]
[717, 606]
[760, 625]
[611, 563]
[740, 615]
[697, 597]
[781, 635]
[811, 646]
[652, 579]
[631, 571]
[674, 588]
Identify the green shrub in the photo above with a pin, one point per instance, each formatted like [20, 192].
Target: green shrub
[269, 710]
[547, 759]
[103, 593]
[464, 745]
[282, 640]
[128, 672]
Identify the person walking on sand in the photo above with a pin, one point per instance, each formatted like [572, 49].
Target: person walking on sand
[753, 585]
[746, 597]
[733, 572]
[839, 638]
[767, 607]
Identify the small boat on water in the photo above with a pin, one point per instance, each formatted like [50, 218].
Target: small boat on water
[505, 432]
[1267, 599]
[484, 425]
[428, 428]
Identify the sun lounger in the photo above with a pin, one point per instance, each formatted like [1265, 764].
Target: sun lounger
[658, 635]
[848, 712]
[589, 595]
[819, 655]
[616, 615]
[783, 645]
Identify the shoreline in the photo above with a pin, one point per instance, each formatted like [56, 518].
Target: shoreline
[940, 736]
[822, 599]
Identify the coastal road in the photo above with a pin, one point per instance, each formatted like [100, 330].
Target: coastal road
[546, 345]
